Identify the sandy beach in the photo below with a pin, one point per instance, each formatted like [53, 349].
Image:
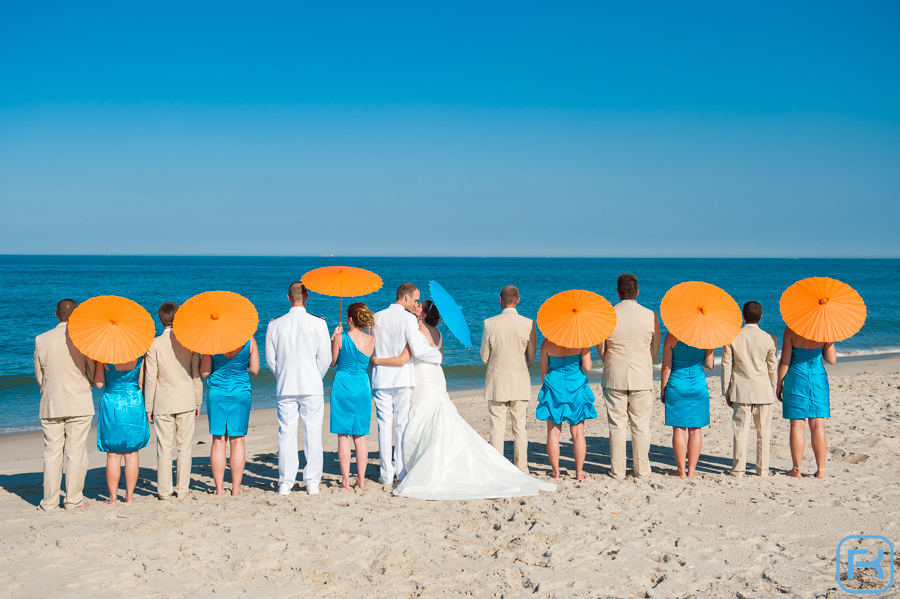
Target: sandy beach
[713, 536]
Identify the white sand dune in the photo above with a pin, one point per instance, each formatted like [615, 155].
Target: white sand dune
[714, 536]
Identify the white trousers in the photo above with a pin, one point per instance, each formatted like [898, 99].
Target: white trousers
[391, 406]
[292, 409]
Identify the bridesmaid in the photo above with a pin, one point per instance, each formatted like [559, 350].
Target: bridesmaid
[351, 393]
[565, 397]
[228, 378]
[803, 391]
[122, 428]
[684, 392]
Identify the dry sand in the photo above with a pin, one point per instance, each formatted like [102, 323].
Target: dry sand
[714, 536]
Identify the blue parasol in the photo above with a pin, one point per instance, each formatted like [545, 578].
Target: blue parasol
[451, 313]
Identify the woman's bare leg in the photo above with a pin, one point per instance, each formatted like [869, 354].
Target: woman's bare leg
[236, 461]
[113, 472]
[362, 460]
[132, 468]
[819, 444]
[679, 451]
[798, 446]
[553, 431]
[217, 462]
[579, 448]
[695, 444]
[344, 459]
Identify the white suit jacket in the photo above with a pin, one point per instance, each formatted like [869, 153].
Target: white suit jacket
[395, 328]
[298, 352]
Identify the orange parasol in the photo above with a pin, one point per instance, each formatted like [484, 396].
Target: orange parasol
[341, 281]
[700, 315]
[111, 329]
[215, 322]
[823, 309]
[576, 319]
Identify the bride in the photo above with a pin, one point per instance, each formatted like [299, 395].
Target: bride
[445, 458]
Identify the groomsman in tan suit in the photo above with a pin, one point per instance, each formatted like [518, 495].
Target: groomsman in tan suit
[749, 377]
[627, 379]
[173, 392]
[66, 377]
[508, 347]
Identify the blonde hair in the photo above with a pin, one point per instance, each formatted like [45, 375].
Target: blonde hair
[361, 316]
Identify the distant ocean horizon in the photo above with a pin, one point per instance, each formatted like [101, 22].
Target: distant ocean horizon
[31, 286]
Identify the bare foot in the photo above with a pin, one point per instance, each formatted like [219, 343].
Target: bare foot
[360, 485]
[692, 474]
[109, 501]
[820, 474]
[220, 492]
[345, 485]
[794, 473]
[554, 475]
[678, 473]
[129, 499]
[236, 492]
[84, 504]
[579, 476]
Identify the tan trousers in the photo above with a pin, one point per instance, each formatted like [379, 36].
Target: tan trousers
[518, 415]
[65, 438]
[762, 419]
[173, 431]
[629, 410]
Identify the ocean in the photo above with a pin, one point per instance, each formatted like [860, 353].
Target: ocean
[31, 286]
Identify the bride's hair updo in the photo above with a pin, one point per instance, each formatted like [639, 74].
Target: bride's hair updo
[361, 316]
[430, 313]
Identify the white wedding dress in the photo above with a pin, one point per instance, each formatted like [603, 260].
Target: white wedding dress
[445, 458]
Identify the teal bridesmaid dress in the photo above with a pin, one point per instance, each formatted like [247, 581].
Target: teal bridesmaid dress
[351, 393]
[228, 402]
[805, 392]
[565, 395]
[687, 394]
[122, 425]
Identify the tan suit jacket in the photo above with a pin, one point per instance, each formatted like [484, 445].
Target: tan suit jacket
[749, 367]
[508, 348]
[65, 375]
[628, 353]
[172, 383]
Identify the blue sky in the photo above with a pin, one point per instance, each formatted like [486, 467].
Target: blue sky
[590, 129]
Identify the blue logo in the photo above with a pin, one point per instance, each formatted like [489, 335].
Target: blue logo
[866, 564]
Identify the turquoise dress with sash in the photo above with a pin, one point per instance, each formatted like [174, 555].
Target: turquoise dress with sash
[351, 393]
[122, 425]
[229, 394]
[565, 395]
[805, 392]
[687, 394]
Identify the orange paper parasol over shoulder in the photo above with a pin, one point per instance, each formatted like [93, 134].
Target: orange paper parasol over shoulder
[822, 309]
[700, 315]
[576, 319]
[111, 329]
[215, 322]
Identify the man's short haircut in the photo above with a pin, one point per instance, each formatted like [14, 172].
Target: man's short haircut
[752, 312]
[297, 292]
[167, 312]
[627, 285]
[509, 295]
[406, 289]
[64, 308]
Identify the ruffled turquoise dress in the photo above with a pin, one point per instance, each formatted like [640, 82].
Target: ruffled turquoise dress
[228, 402]
[351, 393]
[122, 425]
[687, 394]
[805, 392]
[565, 395]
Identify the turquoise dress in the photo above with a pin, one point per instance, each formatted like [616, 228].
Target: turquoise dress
[229, 394]
[122, 426]
[351, 393]
[805, 392]
[687, 394]
[565, 395]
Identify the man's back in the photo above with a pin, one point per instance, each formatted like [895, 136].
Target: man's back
[391, 333]
[298, 352]
[64, 374]
[628, 353]
[749, 367]
[508, 351]
[172, 383]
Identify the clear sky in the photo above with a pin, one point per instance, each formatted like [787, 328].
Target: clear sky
[485, 128]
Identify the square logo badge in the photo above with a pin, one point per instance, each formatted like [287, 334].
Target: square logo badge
[865, 564]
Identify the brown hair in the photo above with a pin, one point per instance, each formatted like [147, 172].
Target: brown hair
[64, 309]
[406, 289]
[167, 312]
[430, 312]
[627, 285]
[297, 292]
[509, 295]
[361, 315]
[752, 312]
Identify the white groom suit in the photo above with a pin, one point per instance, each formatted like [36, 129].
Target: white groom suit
[298, 352]
[395, 328]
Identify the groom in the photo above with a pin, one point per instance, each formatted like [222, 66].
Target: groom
[396, 328]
